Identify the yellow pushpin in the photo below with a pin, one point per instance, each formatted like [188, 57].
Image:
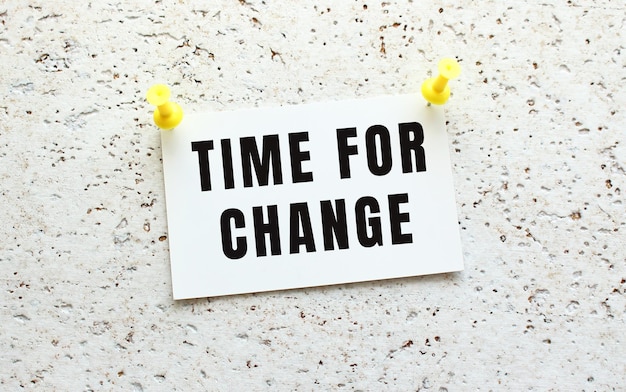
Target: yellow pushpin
[167, 115]
[436, 90]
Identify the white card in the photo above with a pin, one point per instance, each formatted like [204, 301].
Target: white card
[310, 195]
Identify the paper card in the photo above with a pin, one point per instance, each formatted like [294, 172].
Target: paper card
[310, 195]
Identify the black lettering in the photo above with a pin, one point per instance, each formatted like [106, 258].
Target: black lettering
[345, 150]
[397, 218]
[297, 156]
[227, 236]
[374, 223]
[250, 156]
[299, 216]
[372, 152]
[203, 161]
[261, 229]
[227, 164]
[334, 224]
[411, 139]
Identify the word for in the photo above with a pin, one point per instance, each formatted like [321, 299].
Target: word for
[258, 164]
[334, 225]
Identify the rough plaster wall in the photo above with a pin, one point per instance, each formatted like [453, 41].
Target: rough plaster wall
[536, 124]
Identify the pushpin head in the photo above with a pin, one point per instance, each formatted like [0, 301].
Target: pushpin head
[167, 115]
[436, 90]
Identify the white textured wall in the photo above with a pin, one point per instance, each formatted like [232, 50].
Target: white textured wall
[536, 124]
